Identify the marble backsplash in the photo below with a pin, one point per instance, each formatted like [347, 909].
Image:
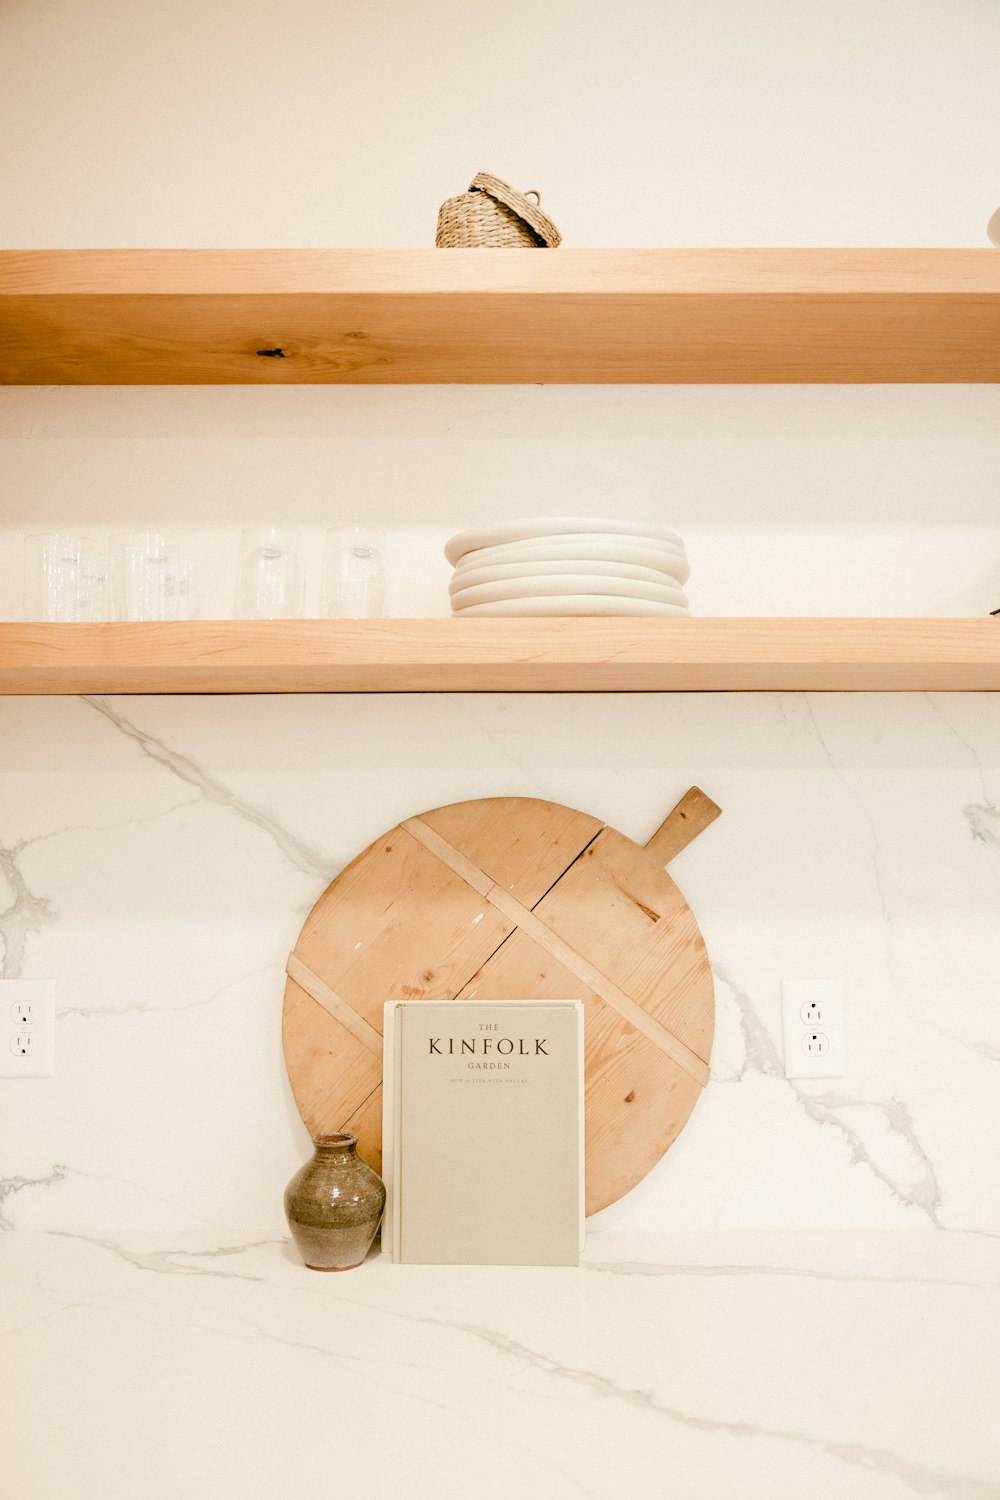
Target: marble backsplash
[158, 855]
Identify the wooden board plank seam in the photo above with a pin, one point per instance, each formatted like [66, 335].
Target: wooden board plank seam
[536, 929]
[317, 989]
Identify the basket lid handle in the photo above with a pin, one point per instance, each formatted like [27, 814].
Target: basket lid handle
[519, 203]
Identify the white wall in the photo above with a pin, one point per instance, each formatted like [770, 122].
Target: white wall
[157, 856]
[317, 122]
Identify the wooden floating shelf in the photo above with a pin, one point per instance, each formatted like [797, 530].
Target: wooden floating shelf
[161, 317]
[497, 656]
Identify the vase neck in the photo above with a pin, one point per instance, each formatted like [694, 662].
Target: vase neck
[338, 1146]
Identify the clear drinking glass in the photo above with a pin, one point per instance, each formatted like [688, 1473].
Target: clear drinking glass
[270, 583]
[62, 578]
[140, 562]
[180, 596]
[95, 592]
[354, 573]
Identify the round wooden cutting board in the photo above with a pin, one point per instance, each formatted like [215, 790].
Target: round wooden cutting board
[508, 898]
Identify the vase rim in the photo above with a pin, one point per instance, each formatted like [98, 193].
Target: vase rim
[342, 1138]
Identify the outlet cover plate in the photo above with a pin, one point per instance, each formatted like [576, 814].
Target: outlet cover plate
[39, 996]
[823, 1000]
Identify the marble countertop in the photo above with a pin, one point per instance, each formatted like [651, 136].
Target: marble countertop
[693, 1366]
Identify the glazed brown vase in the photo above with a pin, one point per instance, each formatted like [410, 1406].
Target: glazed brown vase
[334, 1205]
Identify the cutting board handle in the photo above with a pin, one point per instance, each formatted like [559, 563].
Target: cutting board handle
[682, 824]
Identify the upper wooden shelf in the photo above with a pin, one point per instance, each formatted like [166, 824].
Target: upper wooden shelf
[515, 655]
[161, 317]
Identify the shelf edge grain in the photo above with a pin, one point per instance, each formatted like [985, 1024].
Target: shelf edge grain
[569, 316]
[609, 654]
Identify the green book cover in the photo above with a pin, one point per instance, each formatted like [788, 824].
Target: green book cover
[483, 1132]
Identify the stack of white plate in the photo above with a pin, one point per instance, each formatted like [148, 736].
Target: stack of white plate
[568, 565]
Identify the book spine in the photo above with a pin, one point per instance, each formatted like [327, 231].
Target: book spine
[581, 1125]
[388, 1125]
[399, 1021]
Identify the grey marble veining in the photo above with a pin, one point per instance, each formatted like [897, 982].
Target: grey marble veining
[184, 768]
[25, 912]
[680, 1354]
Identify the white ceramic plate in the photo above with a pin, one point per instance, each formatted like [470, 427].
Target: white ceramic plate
[534, 588]
[546, 526]
[464, 578]
[572, 604]
[584, 549]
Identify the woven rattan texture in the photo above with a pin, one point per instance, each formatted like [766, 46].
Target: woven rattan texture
[494, 215]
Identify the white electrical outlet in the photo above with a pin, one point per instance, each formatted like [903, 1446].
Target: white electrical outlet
[22, 1012]
[27, 1028]
[812, 1013]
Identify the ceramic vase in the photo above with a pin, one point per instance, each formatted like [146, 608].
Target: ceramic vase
[334, 1205]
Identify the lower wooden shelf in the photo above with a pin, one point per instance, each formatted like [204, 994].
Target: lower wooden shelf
[504, 656]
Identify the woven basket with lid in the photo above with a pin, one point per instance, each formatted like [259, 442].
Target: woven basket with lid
[496, 216]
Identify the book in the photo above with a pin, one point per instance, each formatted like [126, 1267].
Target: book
[482, 1132]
